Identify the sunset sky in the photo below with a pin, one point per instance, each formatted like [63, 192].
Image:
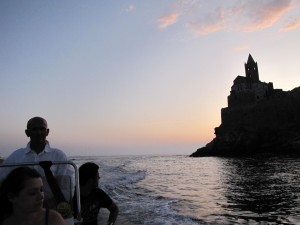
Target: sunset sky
[136, 77]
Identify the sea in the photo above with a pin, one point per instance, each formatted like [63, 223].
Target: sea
[180, 190]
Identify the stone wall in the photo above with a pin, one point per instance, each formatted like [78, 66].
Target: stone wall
[270, 126]
[272, 113]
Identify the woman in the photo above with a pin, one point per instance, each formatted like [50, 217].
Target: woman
[21, 200]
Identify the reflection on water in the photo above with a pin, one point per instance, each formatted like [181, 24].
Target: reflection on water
[228, 190]
[264, 189]
[177, 190]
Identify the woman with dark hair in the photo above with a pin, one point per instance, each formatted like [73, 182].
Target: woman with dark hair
[21, 200]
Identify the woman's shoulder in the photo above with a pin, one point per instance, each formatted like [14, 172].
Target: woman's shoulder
[7, 221]
[54, 218]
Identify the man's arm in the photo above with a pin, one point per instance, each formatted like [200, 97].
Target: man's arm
[114, 211]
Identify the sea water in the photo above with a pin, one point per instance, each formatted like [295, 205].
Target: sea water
[171, 190]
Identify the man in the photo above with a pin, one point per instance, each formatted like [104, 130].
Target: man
[38, 149]
[92, 198]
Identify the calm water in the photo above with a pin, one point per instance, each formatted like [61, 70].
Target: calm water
[181, 190]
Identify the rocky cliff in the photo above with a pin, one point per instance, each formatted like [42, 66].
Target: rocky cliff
[270, 126]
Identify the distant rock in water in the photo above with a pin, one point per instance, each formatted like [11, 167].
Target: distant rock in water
[258, 120]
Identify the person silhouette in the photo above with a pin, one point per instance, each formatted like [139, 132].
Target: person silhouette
[93, 198]
[38, 149]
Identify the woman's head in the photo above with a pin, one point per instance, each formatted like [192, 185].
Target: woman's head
[22, 189]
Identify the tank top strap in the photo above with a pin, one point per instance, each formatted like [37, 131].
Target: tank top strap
[47, 216]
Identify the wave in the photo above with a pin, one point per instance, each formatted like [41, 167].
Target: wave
[125, 180]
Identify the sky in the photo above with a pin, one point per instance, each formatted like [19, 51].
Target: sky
[129, 77]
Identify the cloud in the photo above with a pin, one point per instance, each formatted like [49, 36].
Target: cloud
[204, 29]
[168, 20]
[131, 8]
[292, 25]
[242, 48]
[263, 15]
[209, 24]
[204, 17]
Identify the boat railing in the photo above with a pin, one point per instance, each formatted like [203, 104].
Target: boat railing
[77, 214]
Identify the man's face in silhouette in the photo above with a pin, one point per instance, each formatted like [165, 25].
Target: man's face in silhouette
[37, 130]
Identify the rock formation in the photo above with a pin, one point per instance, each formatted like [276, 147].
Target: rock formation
[258, 120]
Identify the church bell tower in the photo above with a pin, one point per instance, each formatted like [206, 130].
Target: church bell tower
[251, 70]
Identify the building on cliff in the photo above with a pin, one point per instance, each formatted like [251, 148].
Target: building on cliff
[258, 119]
[249, 89]
[246, 92]
[256, 104]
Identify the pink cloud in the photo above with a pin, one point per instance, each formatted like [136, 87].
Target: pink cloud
[209, 24]
[292, 25]
[168, 20]
[204, 17]
[242, 48]
[204, 29]
[263, 15]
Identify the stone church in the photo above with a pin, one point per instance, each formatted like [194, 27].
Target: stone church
[258, 120]
[249, 89]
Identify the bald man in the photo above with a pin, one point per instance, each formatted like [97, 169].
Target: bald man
[38, 149]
